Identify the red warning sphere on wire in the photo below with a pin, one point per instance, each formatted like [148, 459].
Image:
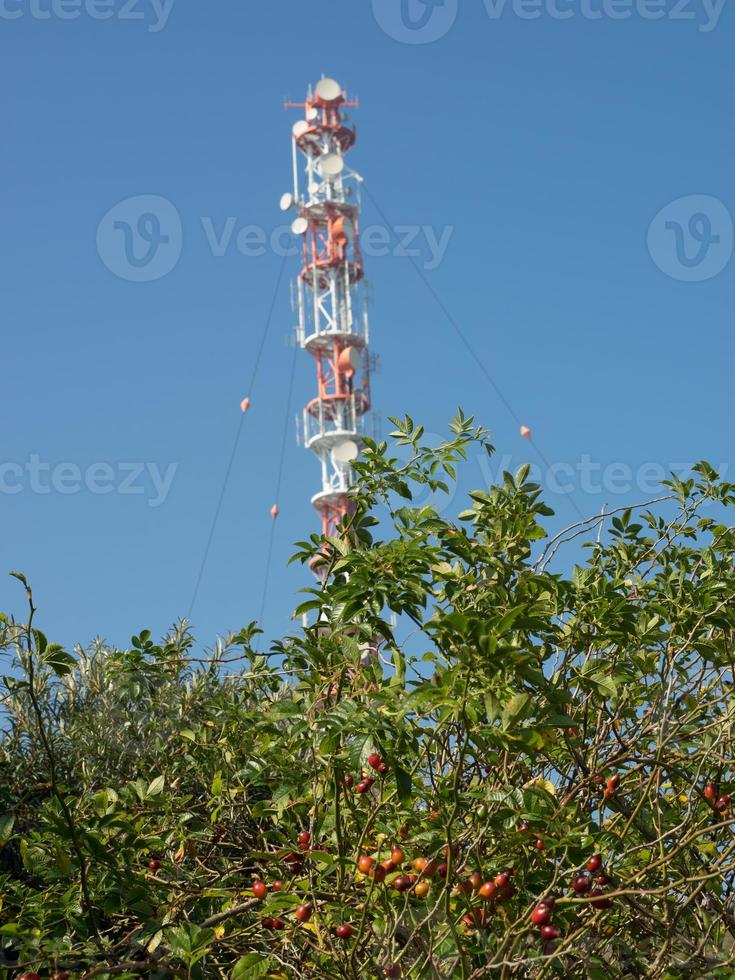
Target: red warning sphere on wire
[245, 404]
[525, 432]
[275, 511]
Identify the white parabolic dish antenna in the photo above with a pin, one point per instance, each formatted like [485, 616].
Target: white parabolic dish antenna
[346, 452]
[328, 90]
[312, 114]
[299, 226]
[332, 165]
[300, 127]
[287, 202]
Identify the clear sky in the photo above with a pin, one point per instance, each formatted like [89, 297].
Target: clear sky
[566, 168]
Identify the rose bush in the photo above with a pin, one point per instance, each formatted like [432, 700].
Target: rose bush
[536, 783]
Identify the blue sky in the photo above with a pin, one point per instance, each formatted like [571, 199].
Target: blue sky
[537, 139]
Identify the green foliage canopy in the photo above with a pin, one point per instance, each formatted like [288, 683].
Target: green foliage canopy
[534, 720]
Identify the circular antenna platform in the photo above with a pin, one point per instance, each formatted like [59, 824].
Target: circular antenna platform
[299, 128]
[328, 90]
[300, 226]
[287, 201]
[346, 452]
[331, 165]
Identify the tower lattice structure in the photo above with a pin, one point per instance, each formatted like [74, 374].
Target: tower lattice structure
[329, 293]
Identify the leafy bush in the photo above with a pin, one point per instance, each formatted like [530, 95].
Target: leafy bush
[536, 783]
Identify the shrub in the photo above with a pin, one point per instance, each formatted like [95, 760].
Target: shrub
[535, 783]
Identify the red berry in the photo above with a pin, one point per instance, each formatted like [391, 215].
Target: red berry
[539, 845]
[379, 873]
[375, 759]
[602, 879]
[710, 792]
[344, 931]
[267, 922]
[390, 866]
[487, 891]
[581, 884]
[394, 970]
[259, 890]
[304, 912]
[442, 870]
[475, 880]
[522, 828]
[154, 865]
[502, 879]
[613, 783]
[594, 863]
[599, 902]
[278, 924]
[397, 855]
[294, 862]
[362, 787]
[402, 883]
[723, 803]
[541, 914]
[382, 768]
[365, 864]
[550, 932]
[304, 839]
[277, 886]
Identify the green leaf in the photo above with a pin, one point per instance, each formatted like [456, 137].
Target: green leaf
[58, 660]
[7, 821]
[516, 708]
[156, 787]
[251, 967]
[403, 784]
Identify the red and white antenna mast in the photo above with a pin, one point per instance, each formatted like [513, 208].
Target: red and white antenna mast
[332, 309]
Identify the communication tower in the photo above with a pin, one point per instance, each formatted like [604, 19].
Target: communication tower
[329, 292]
